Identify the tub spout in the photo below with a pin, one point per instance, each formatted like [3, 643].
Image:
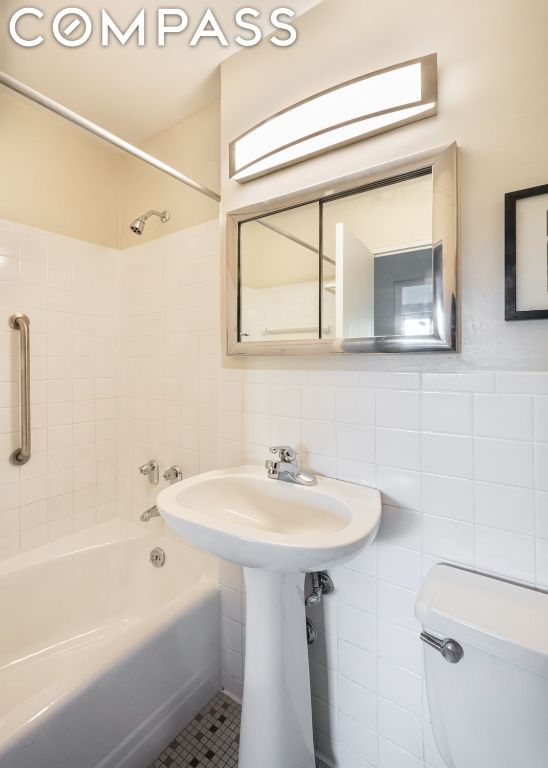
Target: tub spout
[149, 513]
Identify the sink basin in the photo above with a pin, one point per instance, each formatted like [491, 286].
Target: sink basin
[243, 516]
[278, 531]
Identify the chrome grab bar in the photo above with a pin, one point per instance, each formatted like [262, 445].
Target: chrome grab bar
[21, 323]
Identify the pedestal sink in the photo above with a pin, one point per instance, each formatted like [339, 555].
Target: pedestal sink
[278, 531]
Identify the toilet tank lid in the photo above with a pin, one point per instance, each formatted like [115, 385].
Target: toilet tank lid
[505, 619]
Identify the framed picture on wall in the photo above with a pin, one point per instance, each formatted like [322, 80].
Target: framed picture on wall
[526, 254]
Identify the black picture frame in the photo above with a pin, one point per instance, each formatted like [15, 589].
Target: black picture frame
[510, 201]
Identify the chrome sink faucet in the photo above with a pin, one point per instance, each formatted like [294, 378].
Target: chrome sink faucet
[286, 467]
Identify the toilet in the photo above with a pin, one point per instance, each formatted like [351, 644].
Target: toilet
[486, 669]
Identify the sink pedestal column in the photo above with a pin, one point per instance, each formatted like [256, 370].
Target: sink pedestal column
[276, 729]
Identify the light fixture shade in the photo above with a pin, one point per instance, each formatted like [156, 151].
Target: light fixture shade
[350, 112]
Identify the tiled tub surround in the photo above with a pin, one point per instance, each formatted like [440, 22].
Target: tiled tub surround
[169, 360]
[124, 367]
[462, 462]
[69, 290]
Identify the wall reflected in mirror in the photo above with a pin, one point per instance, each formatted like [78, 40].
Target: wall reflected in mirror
[363, 260]
[279, 269]
[377, 261]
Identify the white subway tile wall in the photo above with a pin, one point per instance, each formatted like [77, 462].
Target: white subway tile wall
[462, 480]
[169, 365]
[127, 367]
[69, 290]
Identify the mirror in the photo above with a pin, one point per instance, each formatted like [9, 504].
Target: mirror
[377, 266]
[279, 276]
[367, 266]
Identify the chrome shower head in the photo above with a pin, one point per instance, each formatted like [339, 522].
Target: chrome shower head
[138, 226]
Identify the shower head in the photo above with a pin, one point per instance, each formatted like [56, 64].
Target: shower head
[138, 225]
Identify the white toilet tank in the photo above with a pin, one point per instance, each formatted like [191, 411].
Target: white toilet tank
[489, 709]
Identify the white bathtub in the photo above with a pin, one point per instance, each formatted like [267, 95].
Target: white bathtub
[104, 658]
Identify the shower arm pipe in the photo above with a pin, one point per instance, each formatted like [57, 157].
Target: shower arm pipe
[87, 125]
[163, 215]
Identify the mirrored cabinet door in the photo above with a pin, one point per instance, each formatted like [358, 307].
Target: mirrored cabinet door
[377, 265]
[366, 265]
[279, 274]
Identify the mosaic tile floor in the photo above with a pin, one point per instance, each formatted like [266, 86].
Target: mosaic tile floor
[209, 741]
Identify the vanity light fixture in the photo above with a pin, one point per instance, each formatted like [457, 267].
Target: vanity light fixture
[342, 115]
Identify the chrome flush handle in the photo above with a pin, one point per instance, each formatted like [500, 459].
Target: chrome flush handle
[451, 650]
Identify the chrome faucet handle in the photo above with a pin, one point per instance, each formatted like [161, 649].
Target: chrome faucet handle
[284, 453]
[286, 467]
[151, 469]
[174, 474]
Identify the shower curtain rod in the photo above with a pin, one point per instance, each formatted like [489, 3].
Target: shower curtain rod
[74, 117]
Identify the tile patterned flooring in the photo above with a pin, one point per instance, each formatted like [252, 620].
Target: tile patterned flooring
[209, 741]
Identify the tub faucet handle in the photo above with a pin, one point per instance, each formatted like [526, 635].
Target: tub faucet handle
[173, 474]
[151, 469]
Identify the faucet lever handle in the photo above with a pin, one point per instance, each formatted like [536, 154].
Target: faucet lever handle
[174, 474]
[284, 452]
[151, 470]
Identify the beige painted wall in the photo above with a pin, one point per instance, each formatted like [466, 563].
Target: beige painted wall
[191, 146]
[493, 100]
[55, 176]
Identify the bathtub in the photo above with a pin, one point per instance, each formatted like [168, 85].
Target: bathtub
[103, 657]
